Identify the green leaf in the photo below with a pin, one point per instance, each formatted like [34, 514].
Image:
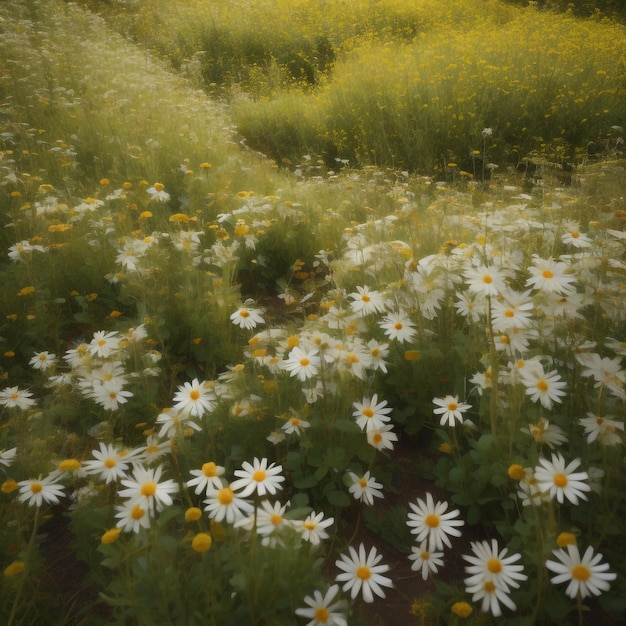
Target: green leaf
[338, 498]
[473, 515]
[347, 426]
[305, 482]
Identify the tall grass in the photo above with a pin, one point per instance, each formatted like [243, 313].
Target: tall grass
[544, 84]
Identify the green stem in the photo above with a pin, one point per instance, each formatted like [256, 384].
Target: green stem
[24, 574]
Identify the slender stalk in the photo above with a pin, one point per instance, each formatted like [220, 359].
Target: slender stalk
[24, 574]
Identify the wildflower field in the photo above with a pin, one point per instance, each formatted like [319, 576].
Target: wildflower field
[311, 313]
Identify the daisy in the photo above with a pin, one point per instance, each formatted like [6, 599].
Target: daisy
[559, 480]
[110, 399]
[587, 576]
[544, 432]
[109, 462]
[295, 425]
[43, 361]
[194, 398]
[378, 353]
[223, 504]
[382, 438]
[355, 359]
[542, 387]
[158, 193]
[371, 414]
[174, 424]
[491, 596]
[132, 516]
[7, 456]
[398, 327]
[602, 429]
[514, 311]
[366, 302]
[36, 491]
[430, 521]
[488, 563]
[361, 572]
[551, 276]
[576, 239]
[605, 371]
[104, 344]
[301, 363]
[485, 280]
[207, 478]
[364, 488]
[12, 397]
[313, 528]
[322, 610]
[247, 318]
[145, 489]
[450, 409]
[155, 449]
[258, 478]
[270, 522]
[529, 491]
[424, 560]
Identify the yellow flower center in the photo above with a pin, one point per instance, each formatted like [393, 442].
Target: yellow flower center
[310, 525]
[398, 326]
[560, 480]
[276, 519]
[487, 279]
[364, 572]
[110, 463]
[259, 476]
[432, 520]
[365, 298]
[575, 235]
[367, 412]
[244, 313]
[304, 361]
[209, 469]
[377, 438]
[36, 487]
[425, 556]
[453, 406]
[581, 572]
[148, 489]
[547, 274]
[489, 587]
[195, 394]
[542, 385]
[321, 615]
[225, 495]
[509, 313]
[494, 566]
[137, 512]
[362, 483]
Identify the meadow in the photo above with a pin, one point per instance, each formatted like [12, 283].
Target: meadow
[311, 313]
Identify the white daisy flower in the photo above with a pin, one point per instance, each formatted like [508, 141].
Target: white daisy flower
[604, 430]
[207, 478]
[429, 521]
[259, 478]
[364, 488]
[313, 528]
[424, 560]
[585, 576]
[247, 318]
[322, 610]
[398, 327]
[450, 410]
[366, 302]
[224, 504]
[303, 364]
[560, 480]
[145, 489]
[194, 398]
[43, 361]
[362, 573]
[37, 491]
[371, 414]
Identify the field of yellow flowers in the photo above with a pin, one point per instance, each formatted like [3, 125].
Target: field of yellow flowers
[377, 378]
